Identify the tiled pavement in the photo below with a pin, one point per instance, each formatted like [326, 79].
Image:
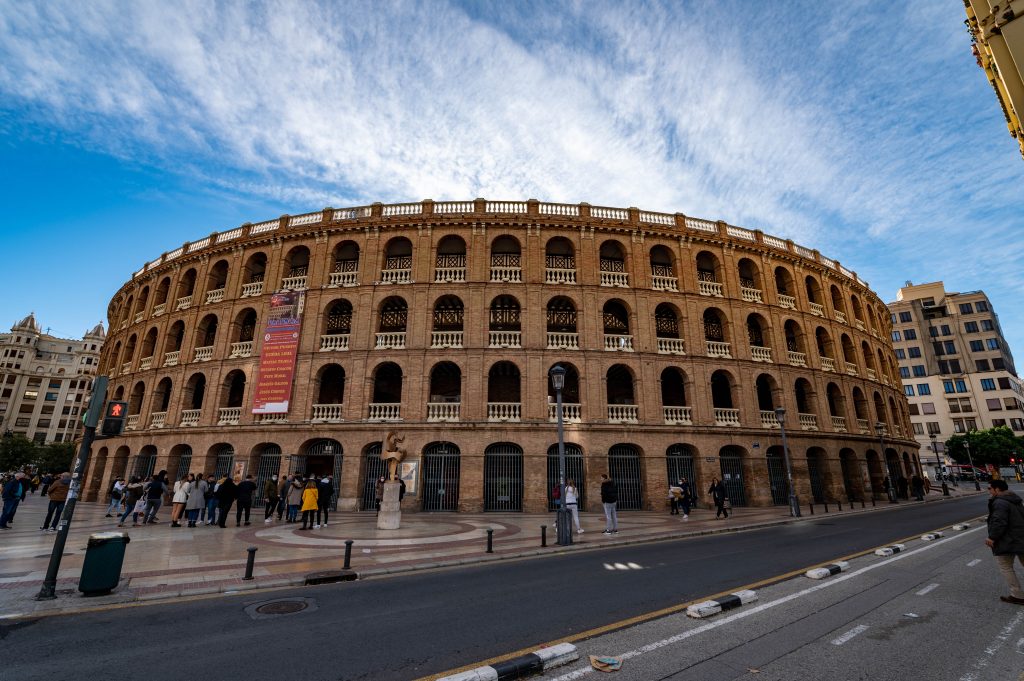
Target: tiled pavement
[163, 562]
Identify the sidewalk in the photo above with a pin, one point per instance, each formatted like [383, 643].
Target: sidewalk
[164, 563]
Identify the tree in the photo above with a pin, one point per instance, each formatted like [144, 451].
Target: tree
[55, 457]
[16, 452]
[994, 446]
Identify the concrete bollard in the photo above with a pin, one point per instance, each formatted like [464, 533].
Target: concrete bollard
[249, 563]
[348, 555]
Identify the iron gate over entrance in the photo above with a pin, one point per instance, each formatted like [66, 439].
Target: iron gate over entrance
[777, 479]
[573, 471]
[732, 476]
[225, 461]
[144, 465]
[814, 473]
[624, 468]
[184, 463]
[373, 468]
[503, 477]
[679, 461]
[441, 466]
[849, 472]
[324, 457]
[267, 466]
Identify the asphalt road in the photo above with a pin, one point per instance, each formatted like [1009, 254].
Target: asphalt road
[417, 624]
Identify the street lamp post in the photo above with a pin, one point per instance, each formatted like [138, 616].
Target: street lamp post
[970, 460]
[880, 429]
[938, 463]
[564, 531]
[794, 503]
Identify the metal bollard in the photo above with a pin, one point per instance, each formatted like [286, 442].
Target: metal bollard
[826, 506]
[348, 555]
[862, 501]
[490, 541]
[249, 563]
[810, 504]
[543, 536]
[872, 499]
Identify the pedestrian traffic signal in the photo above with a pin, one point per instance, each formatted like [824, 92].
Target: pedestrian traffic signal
[113, 418]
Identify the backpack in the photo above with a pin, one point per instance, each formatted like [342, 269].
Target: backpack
[115, 493]
[208, 494]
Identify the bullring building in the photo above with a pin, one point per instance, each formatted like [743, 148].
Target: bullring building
[440, 322]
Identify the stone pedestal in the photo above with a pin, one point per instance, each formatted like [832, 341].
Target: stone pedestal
[390, 516]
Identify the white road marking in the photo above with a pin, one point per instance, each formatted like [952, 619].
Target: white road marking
[859, 629]
[651, 647]
[985, 659]
[930, 587]
[622, 566]
[974, 562]
[634, 566]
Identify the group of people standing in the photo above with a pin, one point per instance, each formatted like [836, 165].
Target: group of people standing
[294, 494]
[16, 487]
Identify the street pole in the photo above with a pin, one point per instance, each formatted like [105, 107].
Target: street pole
[92, 419]
[794, 503]
[935, 450]
[970, 460]
[564, 519]
[880, 429]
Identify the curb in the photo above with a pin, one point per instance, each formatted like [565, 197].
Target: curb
[708, 608]
[890, 550]
[931, 536]
[519, 667]
[827, 570]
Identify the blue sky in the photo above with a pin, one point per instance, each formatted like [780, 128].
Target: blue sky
[863, 129]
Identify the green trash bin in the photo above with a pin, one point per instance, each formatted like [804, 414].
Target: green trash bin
[104, 556]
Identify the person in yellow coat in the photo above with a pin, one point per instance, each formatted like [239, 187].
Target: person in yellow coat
[309, 505]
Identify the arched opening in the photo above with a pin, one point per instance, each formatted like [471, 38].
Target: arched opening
[445, 392]
[559, 261]
[622, 406]
[849, 355]
[129, 352]
[837, 303]
[785, 289]
[394, 315]
[503, 477]
[397, 267]
[135, 400]
[161, 402]
[673, 387]
[244, 330]
[506, 260]
[731, 461]
[750, 280]
[818, 474]
[148, 348]
[223, 460]
[663, 275]
[836, 407]
[679, 466]
[253, 274]
[206, 336]
[337, 326]
[450, 261]
[192, 404]
[858, 312]
[709, 270]
[722, 386]
[322, 458]
[795, 343]
[666, 328]
[716, 333]
[574, 470]
[880, 416]
[570, 395]
[296, 269]
[626, 469]
[345, 270]
[561, 324]
[373, 468]
[853, 484]
[758, 336]
[448, 320]
[504, 325]
[441, 470]
[160, 299]
[778, 481]
[186, 289]
[330, 384]
[767, 399]
[265, 461]
[613, 264]
[615, 319]
[504, 402]
[179, 463]
[231, 396]
[806, 404]
[387, 392]
[216, 280]
[145, 463]
[813, 289]
[140, 305]
[860, 406]
[875, 472]
[825, 348]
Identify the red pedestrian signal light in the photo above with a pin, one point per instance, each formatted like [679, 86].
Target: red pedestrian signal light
[113, 419]
[116, 410]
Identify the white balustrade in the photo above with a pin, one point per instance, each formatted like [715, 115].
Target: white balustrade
[563, 341]
[386, 411]
[272, 418]
[774, 241]
[505, 339]
[828, 364]
[336, 341]
[512, 275]
[146, 363]
[204, 354]
[677, 416]
[556, 276]
[229, 235]
[571, 413]
[504, 411]
[403, 276]
[184, 303]
[214, 296]
[797, 359]
[759, 354]
[806, 252]
[171, 358]
[840, 317]
[808, 421]
[327, 412]
[750, 295]
[294, 283]
[740, 233]
[718, 349]
[190, 417]
[402, 209]
[616, 342]
[228, 416]
[159, 309]
[710, 288]
[701, 225]
[839, 424]
[241, 349]
[353, 213]
[851, 368]
[343, 279]
[787, 301]
[727, 417]
[454, 274]
[268, 226]
[565, 209]
[817, 309]
[126, 367]
[308, 219]
[443, 411]
[660, 283]
[390, 341]
[769, 419]
[447, 207]
[862, 427]
[446, 339]
[124, 325]
[506, 207]
[871, 374]
[132, 422]
[859, 324]
[139, 316]
[609, 213]
[157, 419]
[620, 279]
[623, 413]
[252, 289]
[672, 346]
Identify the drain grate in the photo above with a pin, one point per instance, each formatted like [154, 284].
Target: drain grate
[281, 607]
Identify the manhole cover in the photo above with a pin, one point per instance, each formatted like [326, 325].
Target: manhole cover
[282, 607]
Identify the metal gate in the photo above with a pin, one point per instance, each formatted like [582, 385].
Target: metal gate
[847, 463]
[144, 465]
[333, 449]
[267, 467]
[503, 477]
[373, 468]
[892, 467]
[441, 477]
[679, 461]
[184, 463]
[814, 473]
[297, 465]
[573, 470]
[732, 476]
[225, 461]
[624, 468]
[777, 479]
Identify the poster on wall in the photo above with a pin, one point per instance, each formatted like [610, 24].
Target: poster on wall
[277, 358]
[239, 470]
[410, 475]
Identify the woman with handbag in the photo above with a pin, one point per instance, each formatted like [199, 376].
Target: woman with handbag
[719, 496]
[132, 496]
[196, 500]
[182, 488]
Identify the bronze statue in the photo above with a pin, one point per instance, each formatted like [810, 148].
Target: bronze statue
[392, 453]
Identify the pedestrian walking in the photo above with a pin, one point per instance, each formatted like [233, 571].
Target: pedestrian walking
[686, 499]
[58, 494]
[116, 497]
[154, 489]
[719, 496]
[309, 504]
[1006, 535]
[211, 500]
[196, 501]
[246, 488]
[917, 485]
[133, 493]
[270, 498]
[378, 493]
[675, 493]
[45, 482]
[12, 494]
[901, 487]
[324, 492]
[927, 485]
[182, 490]
[572, 503]
[36, 481]
[227, 492]
[282, 495]
[610, 500]
[294, 499]
[401, 490]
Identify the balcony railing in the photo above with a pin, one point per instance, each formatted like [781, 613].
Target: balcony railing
[787, 301]
[252, 289]
[390, 340]
[817, 309]
[126, 367]
[571, 413]
[616, 342]
[769, 419]
[146, 363]
[750, 295]
[297, 283]
[839, 424]
[124, 325]
[504, 411]
[337, 279]
[402, 276]
[184, 303]
[452, 274]
[859, 324]
[446, 339]
[171, 358]
[808, 421]
[329, 413]
[828, 364]
[204, 354]
[718, 349]
[727, 417]
[159, 309]
[620, 279]
[228, 416]
[672, 346]
[272, 418]
[862, 427]
[558, 276]
[241, 349]
[660, 283]
[871, 374]
[851, 368]
[760, 354]
[677, 416]
[214, 296]
[334, 341]
[157, 419]
[710, 288]
[443, 411]
[190, 417]
[505, 339]
[623, 413]
[386, 411]
[558, 340]
[797, 359]
[512, 275]
[132, 422]
[139, 316]
[840, 317]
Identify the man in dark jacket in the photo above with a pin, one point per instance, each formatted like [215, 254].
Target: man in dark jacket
[1006, 535]
[12, 494]
[155, 489]
[58, 497]
[324, 492]
[227, 492]
[610, 500]
[244, 491]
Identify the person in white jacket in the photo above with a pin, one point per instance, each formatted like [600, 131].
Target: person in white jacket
[572, 503]
[182, 489]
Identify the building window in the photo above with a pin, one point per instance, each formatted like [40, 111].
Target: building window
[970, 424]
[914, 352]
[927, 408]
[981, 364]
[22, 422]
[998, 364]
[981, 306]
[977, 346]
[905, 317]
[933, 427]
[51, 397]
[954, 366]
[947, 387]
[961, 385]
[31, 394]
[949, 347]
[909, 334]
[919, 370]
[946, 331]
[992, 343]
[908, 390]
[924, 389]
[971, 327]
[918, 428]
[912, 409]
[933, 331]
[958, 425]
[988, 384]
[998, 422]
[895, 335]
[994, 404]
[900, 354]
[987, 325]
[904, 372]
[1017, 424]
[1004, 383]
[966, 308]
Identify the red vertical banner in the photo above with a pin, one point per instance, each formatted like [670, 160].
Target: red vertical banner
[277, 358]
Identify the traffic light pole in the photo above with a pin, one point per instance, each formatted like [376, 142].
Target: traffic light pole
[92, 418]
